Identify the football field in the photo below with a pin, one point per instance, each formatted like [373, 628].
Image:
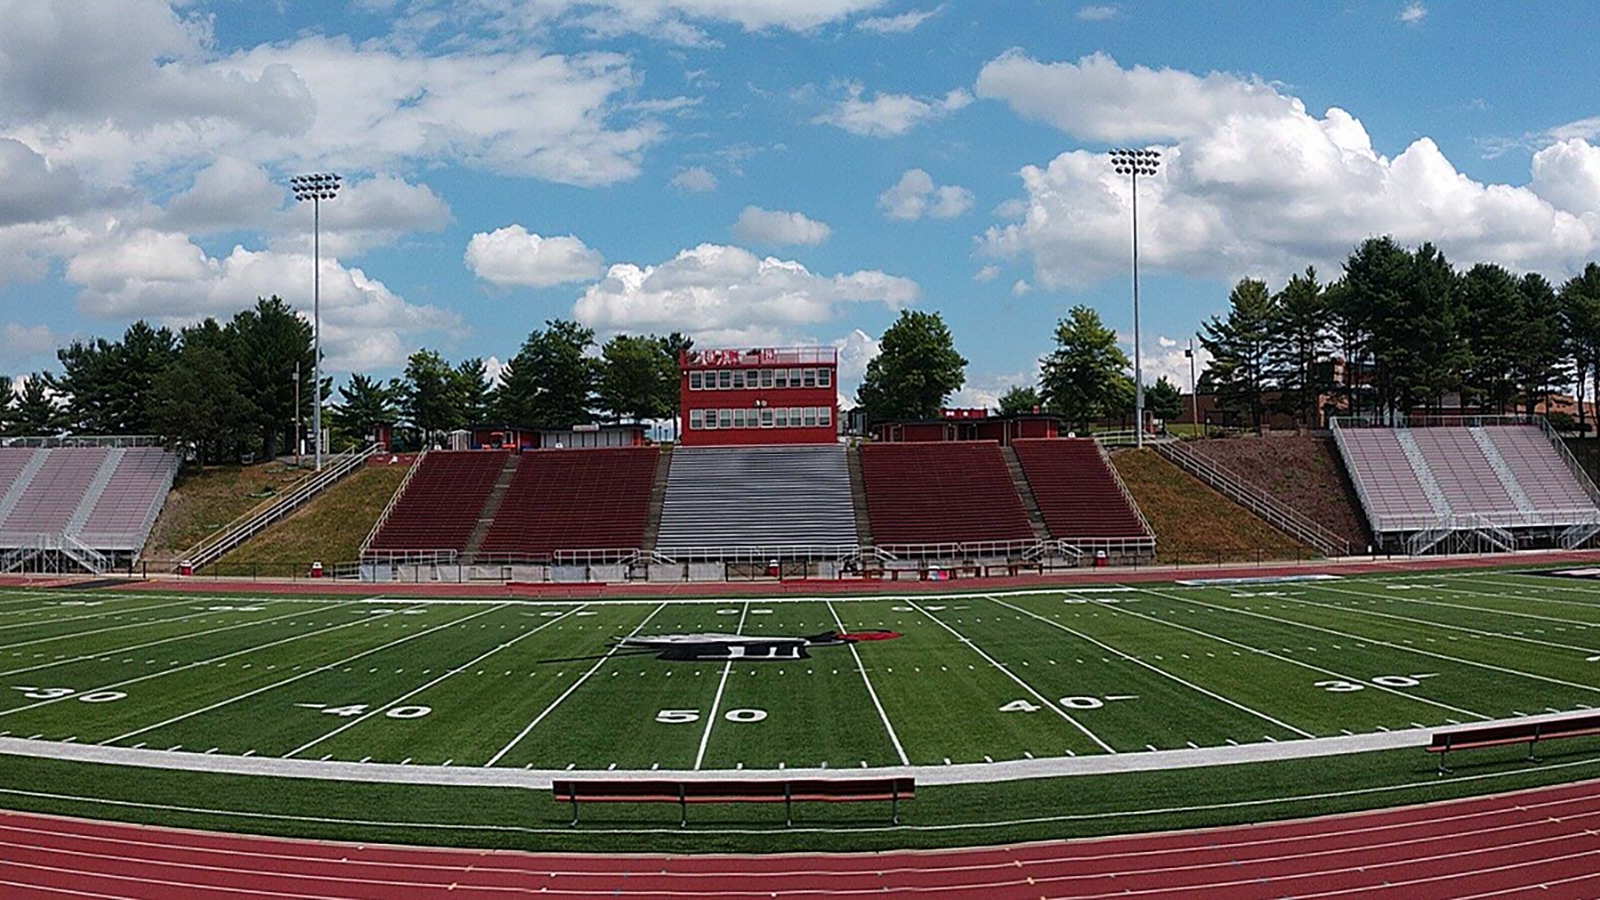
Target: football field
[765, 684]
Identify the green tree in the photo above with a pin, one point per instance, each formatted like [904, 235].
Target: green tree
[1086, 377]
[474, 393]
[364, 404]
[916, 369]
[1020, 399]
[551, 381]
[37, 410]
[638, 378]
[1540, 358]
[1494, 318]
[7, 406]
[272, 342]
[1239, 346]
[1298, 344]
[199, 402]
[675, 345]
[431, 399]
[1164, 399]
[1580, 319]
[105, 385]
[1365, 303]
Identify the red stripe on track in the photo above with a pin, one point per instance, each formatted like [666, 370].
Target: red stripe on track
[1543, 843]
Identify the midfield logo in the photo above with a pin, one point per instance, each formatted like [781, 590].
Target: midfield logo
[743, 647]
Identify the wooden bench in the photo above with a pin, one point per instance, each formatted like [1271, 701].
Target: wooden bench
[1500, 734]
[785, 791]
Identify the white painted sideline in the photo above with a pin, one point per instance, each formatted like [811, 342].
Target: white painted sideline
[541, 779]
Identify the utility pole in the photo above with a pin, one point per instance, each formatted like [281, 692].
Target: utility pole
[1194, 395]
[299, 436]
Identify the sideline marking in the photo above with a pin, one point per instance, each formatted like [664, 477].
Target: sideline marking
[408, 695]
[100, 615]
[1158, 671]
[277, 684]
[705, 736]
[568, 692]
[1012, 675]
[1425, 622]
[893, 738]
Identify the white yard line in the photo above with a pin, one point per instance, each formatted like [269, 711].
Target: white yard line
[893, 738]
[1162, 672]
[1401, 647]
[1556, 583]
[412, 693]
[1013, 676]
[203, 662]
[568, 692]
[293, 678]
[1502, 612]
[181, 637]
[716, 702]
[1287, 659]
[1428, 623]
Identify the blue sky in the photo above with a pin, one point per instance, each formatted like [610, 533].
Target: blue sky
[765, 171]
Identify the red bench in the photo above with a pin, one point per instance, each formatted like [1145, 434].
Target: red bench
[785, 791]
[1500, 734]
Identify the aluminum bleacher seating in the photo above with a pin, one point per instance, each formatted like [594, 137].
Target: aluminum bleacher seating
[941, 493]
[794, 496]
[12, 461]
[1388, 482]
[588, 499]
[1541, 471]
[1077, 492]
[442, 502]
[1463, 473]
[49, 500]
[122, 516]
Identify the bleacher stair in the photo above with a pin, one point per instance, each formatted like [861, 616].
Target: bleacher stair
[1030, 504]
[491, 507]
[858, 496]
[658, 498]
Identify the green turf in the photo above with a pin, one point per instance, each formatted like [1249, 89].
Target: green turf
[971, 679]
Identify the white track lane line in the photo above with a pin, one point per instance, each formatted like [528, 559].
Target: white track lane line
[103, 614]
[1401, 647]
[716, 702]
[1013, 676]
[1165, 674]
[568, 692]
[861, 667]
[181, 637]
[1287, 659]
[1427, 623]
[293, 678]
[203, 662]
[412, 693]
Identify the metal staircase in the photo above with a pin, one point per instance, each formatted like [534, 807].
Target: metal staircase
[1419, 465]
[1508, 480]
[1233, 486]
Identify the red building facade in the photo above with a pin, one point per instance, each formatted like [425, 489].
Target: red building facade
[766, 396]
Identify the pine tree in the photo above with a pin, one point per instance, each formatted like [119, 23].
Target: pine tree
[1085, 378]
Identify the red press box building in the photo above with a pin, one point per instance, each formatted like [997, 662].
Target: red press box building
[766, 396]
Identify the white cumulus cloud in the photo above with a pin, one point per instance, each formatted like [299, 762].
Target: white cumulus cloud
[515, 256]
[727, 295]
[695, 180]
[889, 115]
[915, 195]
[1251, 182]
[898, 24]
[778, 228]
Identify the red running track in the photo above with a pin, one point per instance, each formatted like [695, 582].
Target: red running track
[1543, 843]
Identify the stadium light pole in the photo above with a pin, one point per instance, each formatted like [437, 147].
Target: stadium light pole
[316, 188]
[1134, 163]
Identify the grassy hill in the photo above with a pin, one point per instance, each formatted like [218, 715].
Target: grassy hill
[202, 501]
[1194, 523]
[329, 529]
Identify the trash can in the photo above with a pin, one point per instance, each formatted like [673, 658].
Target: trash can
[186, 568]
[316, 570]
[1101, 560]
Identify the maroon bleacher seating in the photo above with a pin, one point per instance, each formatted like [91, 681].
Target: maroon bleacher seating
[941, 493]
[442, 502]
[578, 499]
[1075, 489]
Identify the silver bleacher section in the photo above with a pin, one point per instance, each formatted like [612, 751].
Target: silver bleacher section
[755, 503]
[83, 505]
[1486, 482]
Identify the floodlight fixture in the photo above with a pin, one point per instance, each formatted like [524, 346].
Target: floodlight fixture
[316, 187]
[1133, 162]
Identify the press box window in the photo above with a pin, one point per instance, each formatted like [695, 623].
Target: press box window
[766, 378]
[766, 418]
[695, 381]
[825, 415]
[824, 378]
[811, 378]
[725, 379]
[724, 418]
[697, 420]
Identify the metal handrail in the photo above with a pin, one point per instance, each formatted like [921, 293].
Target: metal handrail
[394, 499]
